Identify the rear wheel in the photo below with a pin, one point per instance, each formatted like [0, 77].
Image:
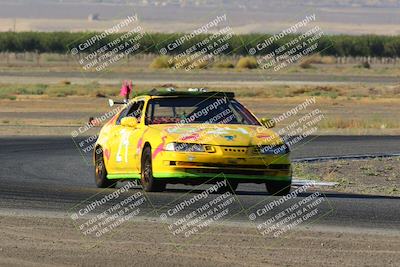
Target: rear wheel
[278, 188]
[149, 184]
[101, 172]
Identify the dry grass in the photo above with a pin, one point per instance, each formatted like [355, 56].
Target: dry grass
[161, 62]
[369, 123]
[365, 93]
[247, 63]
[227, 64]
[341, 115]
[61, 89]
[65, 63]
[318, 59]
[165, 62]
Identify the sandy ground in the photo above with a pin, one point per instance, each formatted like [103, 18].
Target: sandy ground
[39, 241]
[43, 115]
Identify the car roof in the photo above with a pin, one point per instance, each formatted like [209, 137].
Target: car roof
[173, 93]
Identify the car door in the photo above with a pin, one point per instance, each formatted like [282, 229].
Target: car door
[125, 140]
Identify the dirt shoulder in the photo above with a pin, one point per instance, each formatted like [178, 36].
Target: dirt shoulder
[380, 176]
[45, 115]
[39, 241]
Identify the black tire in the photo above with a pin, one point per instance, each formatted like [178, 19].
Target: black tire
[231, 186]
[149, 184]
[278, 188]
[100, 172]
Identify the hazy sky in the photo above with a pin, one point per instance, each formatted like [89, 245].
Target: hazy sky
[352, 16]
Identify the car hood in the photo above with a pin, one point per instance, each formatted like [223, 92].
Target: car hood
[214, 134]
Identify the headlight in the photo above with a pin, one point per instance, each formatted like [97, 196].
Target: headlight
[273, 149]
[184, 147]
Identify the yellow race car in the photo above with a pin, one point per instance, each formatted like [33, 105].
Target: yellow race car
[190, 137]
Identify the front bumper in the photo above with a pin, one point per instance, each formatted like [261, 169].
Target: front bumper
[201, 167]
[189, 177]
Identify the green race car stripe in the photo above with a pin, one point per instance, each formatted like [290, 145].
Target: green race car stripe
[123, 176]
[199, 175]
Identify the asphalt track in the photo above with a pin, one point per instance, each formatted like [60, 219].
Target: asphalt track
[49, 174]
[173, 77]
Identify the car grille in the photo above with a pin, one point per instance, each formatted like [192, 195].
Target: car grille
[235, 167]
[237, 150]
[228, 171]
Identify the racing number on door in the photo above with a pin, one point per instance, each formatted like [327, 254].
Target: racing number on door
[123, 146]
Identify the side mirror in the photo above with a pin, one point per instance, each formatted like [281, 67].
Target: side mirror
[129, 122]
[268, 123]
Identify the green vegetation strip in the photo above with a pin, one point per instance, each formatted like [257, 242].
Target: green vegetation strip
[333, 45]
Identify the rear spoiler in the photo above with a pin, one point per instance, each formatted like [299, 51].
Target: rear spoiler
[111, 102]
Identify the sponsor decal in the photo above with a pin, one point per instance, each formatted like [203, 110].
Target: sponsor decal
[181, 130]
[159, 148]
[107, 153]
[229, 137]
[191, 137]
[263, 136]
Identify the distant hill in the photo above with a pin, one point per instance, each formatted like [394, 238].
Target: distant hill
[334, 16]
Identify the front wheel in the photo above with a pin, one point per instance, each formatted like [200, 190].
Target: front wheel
[149, 184]
[101, 173]
[278, 188]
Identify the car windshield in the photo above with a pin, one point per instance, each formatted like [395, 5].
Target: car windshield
[212, 110]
